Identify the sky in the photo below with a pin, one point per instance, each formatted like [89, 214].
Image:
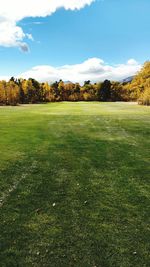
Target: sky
[73, 40]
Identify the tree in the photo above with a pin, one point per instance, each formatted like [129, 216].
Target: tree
[3, 93]
[12, 93]
[135, 90]
[104, 93]
[117, 92]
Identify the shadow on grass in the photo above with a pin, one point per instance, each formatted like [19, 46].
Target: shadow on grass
[85, 203]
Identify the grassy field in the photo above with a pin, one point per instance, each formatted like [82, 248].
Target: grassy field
[74, 181]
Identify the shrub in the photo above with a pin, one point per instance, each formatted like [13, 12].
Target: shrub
[145, 97]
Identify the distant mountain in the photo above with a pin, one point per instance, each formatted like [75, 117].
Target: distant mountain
[128, 79]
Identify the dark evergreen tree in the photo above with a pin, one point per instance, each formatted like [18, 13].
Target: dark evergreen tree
[104, 93]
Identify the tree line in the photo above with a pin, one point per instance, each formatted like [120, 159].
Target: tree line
[22, 91]
[139, 88]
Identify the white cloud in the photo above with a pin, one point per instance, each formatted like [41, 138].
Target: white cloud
[13, 11]
[132, 61]
[4, 78]
[10, 34]
[93, 69]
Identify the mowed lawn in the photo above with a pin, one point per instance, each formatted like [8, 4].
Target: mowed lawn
[75, 189]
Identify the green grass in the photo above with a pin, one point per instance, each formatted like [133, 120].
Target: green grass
[74, 181]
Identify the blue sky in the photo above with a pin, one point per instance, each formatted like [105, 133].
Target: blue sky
[112, 30]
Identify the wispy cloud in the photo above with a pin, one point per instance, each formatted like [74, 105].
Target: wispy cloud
[37, 22]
